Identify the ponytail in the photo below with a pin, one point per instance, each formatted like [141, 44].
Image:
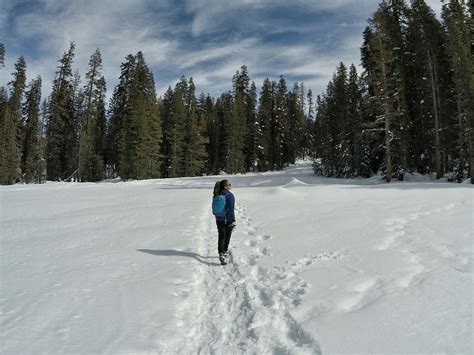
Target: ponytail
[217, 189]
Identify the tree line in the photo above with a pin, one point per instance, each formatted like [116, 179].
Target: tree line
[71, 135]
[410, 110]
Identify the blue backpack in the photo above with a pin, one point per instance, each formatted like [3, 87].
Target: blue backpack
[218, 206]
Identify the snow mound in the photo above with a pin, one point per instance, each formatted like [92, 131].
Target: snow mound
[295, 182]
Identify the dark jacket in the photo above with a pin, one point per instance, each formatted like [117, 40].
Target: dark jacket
[229, 208]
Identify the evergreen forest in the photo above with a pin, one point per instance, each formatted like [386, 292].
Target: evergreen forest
[409, 109]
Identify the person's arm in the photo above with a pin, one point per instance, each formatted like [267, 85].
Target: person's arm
[230, 210]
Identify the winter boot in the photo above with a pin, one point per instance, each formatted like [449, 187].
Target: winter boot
[222, 259]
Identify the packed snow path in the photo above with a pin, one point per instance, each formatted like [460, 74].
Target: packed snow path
[242, 307]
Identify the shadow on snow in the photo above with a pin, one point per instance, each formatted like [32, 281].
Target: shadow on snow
[170, 252]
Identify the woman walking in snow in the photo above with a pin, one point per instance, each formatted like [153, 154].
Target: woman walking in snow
[223, 208]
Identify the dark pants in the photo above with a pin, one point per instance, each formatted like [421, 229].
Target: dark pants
[225, 231]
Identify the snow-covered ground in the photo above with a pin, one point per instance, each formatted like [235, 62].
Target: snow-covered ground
[318, 266]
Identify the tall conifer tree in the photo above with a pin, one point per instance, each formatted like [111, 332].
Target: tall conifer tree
[264, 119]
[294, 123]
[32, 163]
[207, 111]
[120, 109]
[224, 125]
[358, 165]
[238, 123]
[250, 149]
[61, 130]
[178, 135]
[166, 114]
[338, 108]
[197, 135]
[278, 128]
[134, 132]
[10, 124]
[425, 45]
[382, 53]
[91, 160]
[458, 46]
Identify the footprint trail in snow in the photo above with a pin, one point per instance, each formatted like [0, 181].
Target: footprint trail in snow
[242, 307]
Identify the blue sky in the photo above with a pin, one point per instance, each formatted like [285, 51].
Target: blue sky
[304, 40]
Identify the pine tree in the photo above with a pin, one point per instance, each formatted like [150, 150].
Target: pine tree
[278, 130]
[61, 125]
[134, 133]
[338, 108]
[166, 114]
[459, 47]
[294, 124]
[264, 119]
[132, 156]
[154, 131]
[32, 158]
[207, 113]
[10, 122]
[74, 124]
[382, 52]
[390, 33]
[323, 150]
[144, 153]
[250, 147]
[189, 98]
[3, 110]
[101, 126]
[120, 109]
[425, 45]
[223, 125]
[302, 120]
[196, 134]
[353, 127]
[41, 166]
[338, 114]
[398, 10]
[178, 129]
[235, 136]
[307, 131]
[200, 139]
[91, 161]
[339, 148]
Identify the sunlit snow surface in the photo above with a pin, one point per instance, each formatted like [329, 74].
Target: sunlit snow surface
[318, 266]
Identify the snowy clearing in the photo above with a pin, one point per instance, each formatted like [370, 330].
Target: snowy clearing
[318, 266]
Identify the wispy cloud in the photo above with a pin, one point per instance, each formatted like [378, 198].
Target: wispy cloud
[208, 39]
[217, 52]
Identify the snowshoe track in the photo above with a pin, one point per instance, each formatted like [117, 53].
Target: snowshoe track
[242, 307]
